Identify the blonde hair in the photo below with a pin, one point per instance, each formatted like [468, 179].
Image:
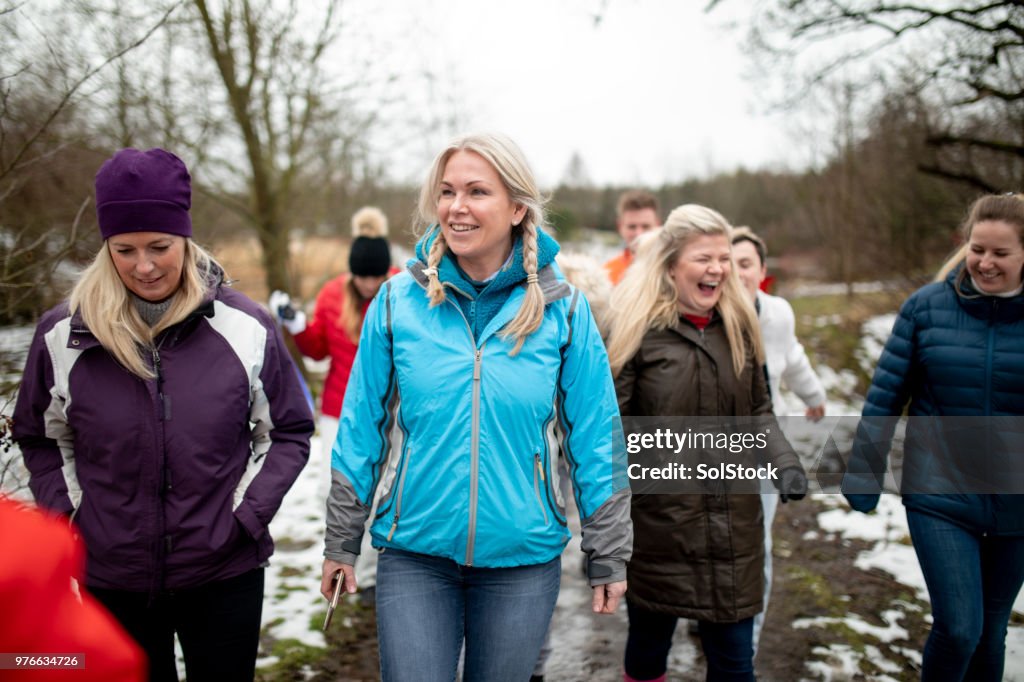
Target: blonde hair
[108, 311]
[1007, 208]
[647, 297]
[369, 221]
[587, 275]
[507, 160]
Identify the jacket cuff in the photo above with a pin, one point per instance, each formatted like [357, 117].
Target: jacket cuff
[605, 570]
[342, 551]
[341, 557]
[249, 520]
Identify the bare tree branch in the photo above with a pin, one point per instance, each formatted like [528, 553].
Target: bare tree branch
[70, 92]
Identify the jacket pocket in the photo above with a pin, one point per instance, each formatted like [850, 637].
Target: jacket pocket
[398, 494]
[539, 480]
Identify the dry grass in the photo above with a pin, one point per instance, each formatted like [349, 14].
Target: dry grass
[314, 260]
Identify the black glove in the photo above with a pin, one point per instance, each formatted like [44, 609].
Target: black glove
[792, 484]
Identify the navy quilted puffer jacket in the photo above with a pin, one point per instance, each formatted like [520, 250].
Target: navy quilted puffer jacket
[953, 353]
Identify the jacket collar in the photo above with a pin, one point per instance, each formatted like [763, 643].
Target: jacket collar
[983, 306]
[82, 338]
[689, 331]
[511, 275]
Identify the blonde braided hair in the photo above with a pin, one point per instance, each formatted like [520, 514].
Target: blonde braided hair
[531, 312]
[434, 289]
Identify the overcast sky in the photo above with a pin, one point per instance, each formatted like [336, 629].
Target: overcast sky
[650, 92]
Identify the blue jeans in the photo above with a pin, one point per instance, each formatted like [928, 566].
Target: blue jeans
[427, 605]
[972, 581]
[728, 647]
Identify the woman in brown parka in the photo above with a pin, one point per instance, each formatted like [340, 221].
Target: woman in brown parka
[685, 343]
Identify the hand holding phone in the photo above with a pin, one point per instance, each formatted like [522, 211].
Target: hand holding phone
[339, 582]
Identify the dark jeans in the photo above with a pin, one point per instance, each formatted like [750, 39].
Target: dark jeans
[218, 625]
[427, 605]
[972, 581]
[728, 647]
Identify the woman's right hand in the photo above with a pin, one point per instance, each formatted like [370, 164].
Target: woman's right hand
[348, 574]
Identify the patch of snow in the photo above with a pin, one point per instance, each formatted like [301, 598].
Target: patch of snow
[292, 592]
[875, 332]
[891, 632]
[1014, 670]
[888, 522]
[839, 662]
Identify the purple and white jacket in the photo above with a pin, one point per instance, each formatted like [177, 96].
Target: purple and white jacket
[173, 481]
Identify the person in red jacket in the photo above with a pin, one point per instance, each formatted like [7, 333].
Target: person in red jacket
[334, 329]
[46, 616]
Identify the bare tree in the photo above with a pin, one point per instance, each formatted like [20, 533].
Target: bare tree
[967, 58]
[48, 73]
[273, 79]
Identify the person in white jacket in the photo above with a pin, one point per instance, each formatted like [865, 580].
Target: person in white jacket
[786, 361]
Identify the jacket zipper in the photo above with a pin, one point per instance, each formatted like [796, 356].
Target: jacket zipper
[163, 548]
[989, 352]
[474, 456]
[474, 442]
[538, 478]
[398, 498]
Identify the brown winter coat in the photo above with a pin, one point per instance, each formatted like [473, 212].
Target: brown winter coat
[697, 555]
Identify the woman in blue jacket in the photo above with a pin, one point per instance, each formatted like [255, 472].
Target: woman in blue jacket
[476, 365]
[957, 351]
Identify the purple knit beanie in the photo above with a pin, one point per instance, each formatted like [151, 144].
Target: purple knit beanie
[146, 191]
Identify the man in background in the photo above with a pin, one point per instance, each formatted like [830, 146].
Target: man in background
[637, 213]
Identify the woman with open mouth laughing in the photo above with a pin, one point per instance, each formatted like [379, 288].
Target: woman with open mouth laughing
[685, 342]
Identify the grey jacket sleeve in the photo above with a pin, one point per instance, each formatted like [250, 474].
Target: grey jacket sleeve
[346, 518]
[608, 539]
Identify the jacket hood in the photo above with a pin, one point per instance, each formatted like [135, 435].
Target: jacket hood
[510, 274]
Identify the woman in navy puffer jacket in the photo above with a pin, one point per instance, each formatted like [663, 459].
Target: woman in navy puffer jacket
[956, 353]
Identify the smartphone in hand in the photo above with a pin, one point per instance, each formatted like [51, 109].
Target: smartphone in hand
[339, 581]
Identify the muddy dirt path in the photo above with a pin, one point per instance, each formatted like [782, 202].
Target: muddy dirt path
[815, 582]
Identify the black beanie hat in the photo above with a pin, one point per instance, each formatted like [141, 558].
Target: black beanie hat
[369, 257]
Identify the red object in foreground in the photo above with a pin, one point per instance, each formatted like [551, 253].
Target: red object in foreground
[48, 630]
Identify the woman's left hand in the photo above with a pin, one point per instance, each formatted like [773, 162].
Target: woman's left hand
[606, 597]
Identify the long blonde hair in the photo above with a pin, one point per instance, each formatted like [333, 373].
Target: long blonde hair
[1007, 208]
[507, 159]
[107, 309]
[647, 297]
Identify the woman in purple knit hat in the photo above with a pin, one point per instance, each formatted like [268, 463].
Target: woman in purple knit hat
[161, 414]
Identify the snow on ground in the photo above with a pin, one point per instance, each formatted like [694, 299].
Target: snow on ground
[292, 603]
[14, 343]
[892, 553]
[874, 334]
